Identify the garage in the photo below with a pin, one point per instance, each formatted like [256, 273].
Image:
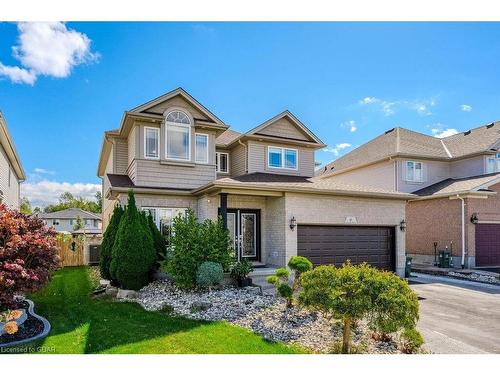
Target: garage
[487, 245]
[324, 244]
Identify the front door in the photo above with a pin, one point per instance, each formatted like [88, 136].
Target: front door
[244, 230]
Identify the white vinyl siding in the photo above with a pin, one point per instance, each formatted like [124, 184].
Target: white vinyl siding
[151, 143]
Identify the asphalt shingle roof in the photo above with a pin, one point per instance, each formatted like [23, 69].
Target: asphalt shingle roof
[452, 186]
[69, 213]
[227, 137]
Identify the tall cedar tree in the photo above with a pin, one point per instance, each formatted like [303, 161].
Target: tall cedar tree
[158, 240]
[133, 255]
[108, 241]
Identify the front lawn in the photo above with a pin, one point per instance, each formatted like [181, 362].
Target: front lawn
[81, 324]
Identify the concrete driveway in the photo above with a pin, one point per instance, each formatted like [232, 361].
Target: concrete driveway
[458, 317]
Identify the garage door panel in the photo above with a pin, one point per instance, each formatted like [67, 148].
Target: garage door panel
[337, 244]
[487, 245]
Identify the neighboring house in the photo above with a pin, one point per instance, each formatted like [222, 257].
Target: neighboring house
[177, 155]
[455, 180]
[11, 170]
[65, 221]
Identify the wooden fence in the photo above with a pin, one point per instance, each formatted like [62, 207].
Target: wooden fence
[70, 252]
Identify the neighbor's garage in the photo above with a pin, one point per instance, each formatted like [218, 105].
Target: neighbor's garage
[487, 245]
[325, 244]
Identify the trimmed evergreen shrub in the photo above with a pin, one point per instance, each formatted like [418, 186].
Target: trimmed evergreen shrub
[108, 240]
[411, 340]
[299, 265]
[133, 254]
[209, 274]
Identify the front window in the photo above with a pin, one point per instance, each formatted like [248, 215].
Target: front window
[201, 150]
[414, 171]
[151, 143]
[221, 162]
[493, 164]
[284, 158]
[178, 136]
[55, 222]
[163, 217]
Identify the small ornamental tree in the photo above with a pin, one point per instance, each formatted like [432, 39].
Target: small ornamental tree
[280, 281]
[133, 255]
[28, 254]
[159, 242]
[299, 265]
[108, 240]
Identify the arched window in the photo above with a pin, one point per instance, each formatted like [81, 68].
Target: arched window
[178, 136]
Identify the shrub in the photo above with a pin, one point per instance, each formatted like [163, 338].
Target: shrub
[209, 274]
[241, 269]
[352, 292]
[133, 254]
[299, 265]
[411, 340]
[159, 242]
[280, 281]
[28, 254]
[108, 240]
[285, 291]
[193, 243]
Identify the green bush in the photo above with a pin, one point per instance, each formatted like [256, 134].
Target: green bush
[280, 281]
[159, 242]
[273, 279]
[193, 243]
[285, 291]
[209, 274]
[411, 340]
[299, 265]
[241, 269]
[283, 273]
[108, 241]
[133, 254]
[352, 292]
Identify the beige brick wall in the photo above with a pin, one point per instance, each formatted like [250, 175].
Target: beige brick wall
[433, 220]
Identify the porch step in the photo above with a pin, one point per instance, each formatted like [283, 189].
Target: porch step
[265, 287]
[263, 271]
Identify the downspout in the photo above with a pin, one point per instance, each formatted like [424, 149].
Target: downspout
[246, 155]
[463, 230]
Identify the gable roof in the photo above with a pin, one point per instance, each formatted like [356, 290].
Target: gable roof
[69, 213]
[454, 186]
[8, 146]
[226, 138]
[408, 143]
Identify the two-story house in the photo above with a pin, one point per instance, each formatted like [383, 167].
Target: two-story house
[68, 221]
[455, 181]
[176, 155]
[11, 170]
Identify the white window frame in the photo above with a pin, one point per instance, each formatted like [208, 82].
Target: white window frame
[413, 179]
[217, 156]
[157, 130]
[196, 148]
[283, 163]
[179, 124]
[157, 209]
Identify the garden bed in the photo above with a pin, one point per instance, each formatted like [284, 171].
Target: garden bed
[265, 315]
[33, 328]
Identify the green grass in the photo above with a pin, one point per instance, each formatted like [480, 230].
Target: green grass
[81, 324]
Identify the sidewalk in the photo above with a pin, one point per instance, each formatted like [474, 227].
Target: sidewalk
[475, 275]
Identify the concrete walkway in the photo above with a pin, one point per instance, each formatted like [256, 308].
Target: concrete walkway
[456, 316]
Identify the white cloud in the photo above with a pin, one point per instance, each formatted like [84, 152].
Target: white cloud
[442, 133]
[43, 193]
[466, 107]
[339, 147]
[48, 49]
[43, 171]
[351, 124]
[388, 108]
[385, 106]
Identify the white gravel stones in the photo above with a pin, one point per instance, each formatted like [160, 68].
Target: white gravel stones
[490, 279]
[265, 315]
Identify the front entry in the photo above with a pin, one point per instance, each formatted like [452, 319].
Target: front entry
[244, 230]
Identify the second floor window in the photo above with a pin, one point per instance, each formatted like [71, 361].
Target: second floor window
[414, 171]
[493, 164]
[152, 143]
[284, 158]
[221, 162]
[178, 136]
[201, 149]
[55, 222]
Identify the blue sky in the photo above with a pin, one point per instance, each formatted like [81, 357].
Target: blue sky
[348, 82]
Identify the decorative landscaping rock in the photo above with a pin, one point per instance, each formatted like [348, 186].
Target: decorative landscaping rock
[111, 291]
[126, 294]
[476, 276]
[265, 315]
[104, 282]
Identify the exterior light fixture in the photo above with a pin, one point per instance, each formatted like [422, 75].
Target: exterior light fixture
[293, 223]
[402, 225]
[474, 219]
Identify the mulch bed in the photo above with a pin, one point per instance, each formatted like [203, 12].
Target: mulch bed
[30, 328]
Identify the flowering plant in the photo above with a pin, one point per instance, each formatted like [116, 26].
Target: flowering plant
[9, 318]
[28, 254]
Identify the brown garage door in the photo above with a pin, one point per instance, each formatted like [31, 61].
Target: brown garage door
[336, 244]
[487, 245]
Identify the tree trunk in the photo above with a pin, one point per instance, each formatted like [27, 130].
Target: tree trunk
[346, 336]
